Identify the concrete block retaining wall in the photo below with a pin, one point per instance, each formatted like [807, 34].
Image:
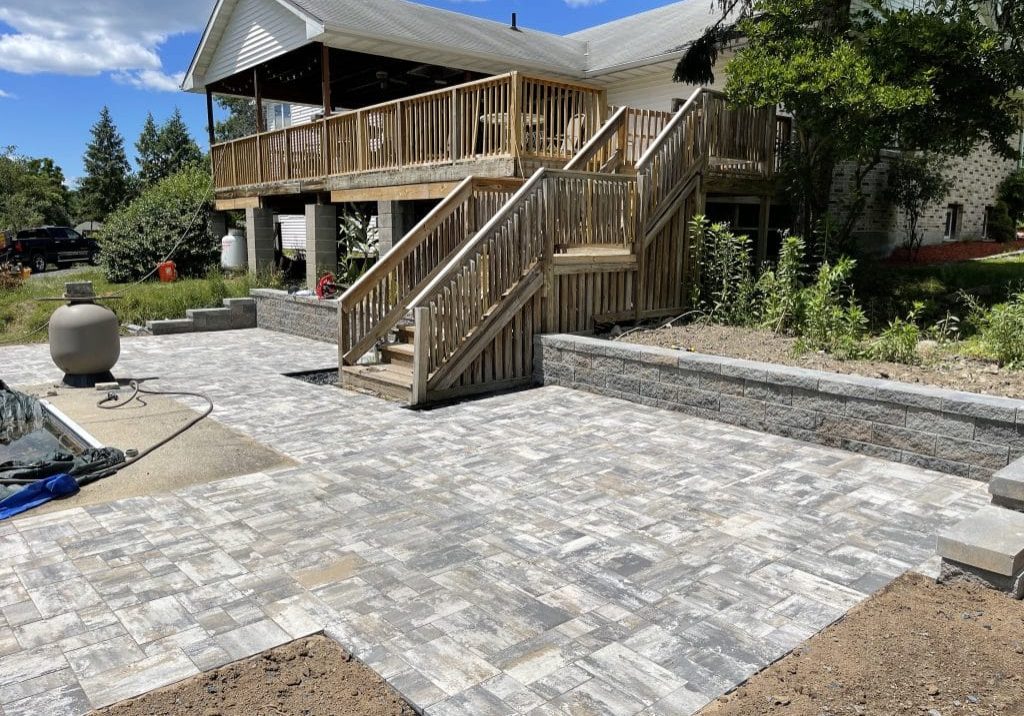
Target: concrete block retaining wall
[305, 316]
[957, 433]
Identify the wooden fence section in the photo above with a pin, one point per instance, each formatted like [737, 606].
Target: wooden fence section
[511, 115]
[378, 301]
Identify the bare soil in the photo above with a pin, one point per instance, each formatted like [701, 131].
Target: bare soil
[310, 677]
[916, 649]
[938, 367]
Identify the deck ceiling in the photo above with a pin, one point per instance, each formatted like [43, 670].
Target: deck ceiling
[357, 79]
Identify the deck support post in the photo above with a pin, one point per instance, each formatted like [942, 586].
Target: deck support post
[325, 75]
[421, 359]
[321, 242]
[209, 117]
[762, 229]
[395, 219]
[260, 239]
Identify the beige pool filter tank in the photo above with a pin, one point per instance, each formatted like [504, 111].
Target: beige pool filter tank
[85, 338]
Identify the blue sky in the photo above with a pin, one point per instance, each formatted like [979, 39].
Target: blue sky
[62, 60]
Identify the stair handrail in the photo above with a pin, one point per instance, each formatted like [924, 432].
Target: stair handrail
[471, 246]
[394, 305]
[599, 141]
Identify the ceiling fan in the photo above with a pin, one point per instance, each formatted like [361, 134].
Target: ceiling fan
[383, 80]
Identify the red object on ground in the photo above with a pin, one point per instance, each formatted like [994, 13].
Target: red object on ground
[326, 288]
[168, 272]
[952, 252]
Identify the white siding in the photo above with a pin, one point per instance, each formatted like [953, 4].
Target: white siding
[656, 93]
[259, 30]
[293, 231]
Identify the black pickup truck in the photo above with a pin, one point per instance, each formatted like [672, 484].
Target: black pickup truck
[40, 247]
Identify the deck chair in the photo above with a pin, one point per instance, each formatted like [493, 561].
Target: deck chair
[573, 139]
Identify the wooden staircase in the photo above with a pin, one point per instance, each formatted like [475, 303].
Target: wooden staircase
[605, 239]
[392, 377]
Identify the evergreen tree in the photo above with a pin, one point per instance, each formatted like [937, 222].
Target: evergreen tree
[178, 149]
[148, 150]
[107, 184]
[241, 121]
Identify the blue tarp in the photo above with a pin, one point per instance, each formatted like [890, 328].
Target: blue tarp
[36, 494]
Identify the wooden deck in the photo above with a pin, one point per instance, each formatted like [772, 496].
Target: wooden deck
[509, 125]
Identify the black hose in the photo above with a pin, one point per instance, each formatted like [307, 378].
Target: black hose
[138, 390]
[113, 402]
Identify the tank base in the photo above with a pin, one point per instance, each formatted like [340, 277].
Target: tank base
[88, 381]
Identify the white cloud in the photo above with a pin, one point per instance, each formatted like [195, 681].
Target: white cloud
[7, 95]
[583, 3]
[76, 38]
[155, 80]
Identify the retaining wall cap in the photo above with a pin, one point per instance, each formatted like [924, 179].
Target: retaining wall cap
[285, 297]
[1008, 483]
[991, 540]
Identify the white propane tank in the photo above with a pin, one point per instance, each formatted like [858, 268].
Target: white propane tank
[234, 253]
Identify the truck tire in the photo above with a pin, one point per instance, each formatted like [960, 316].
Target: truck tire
[38, 263]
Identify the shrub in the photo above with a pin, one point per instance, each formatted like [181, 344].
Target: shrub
[781, 288]
[831, 319]
[1011, 193]
[898, 342]
[1002, 332]
[1001, 227]
[171, 216]
[726, 290]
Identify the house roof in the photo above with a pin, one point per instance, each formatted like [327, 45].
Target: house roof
[647, 36]
[640, 39]
[424, 25]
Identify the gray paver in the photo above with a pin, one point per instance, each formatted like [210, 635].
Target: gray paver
[547, 552]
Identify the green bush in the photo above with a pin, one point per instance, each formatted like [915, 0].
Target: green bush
[781, 288]
[1002, 332]
[1011, 193]
[171, 216]
[898, 342]
[1001, 227]
[726, 290]
[831, 319]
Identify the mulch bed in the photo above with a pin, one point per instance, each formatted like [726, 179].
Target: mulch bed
[916, 649]
[952, 252]
[306, 677]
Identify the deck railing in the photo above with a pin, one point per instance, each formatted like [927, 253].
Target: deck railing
[511, 115]
[376, 303]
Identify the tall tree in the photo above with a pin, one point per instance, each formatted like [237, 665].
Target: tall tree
[936, 78]
[32, 192]
[107, 184]
[241, 121]
[166, 150]
[147, 152]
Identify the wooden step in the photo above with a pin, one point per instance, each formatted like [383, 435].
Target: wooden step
[406, 333]
[387, 380]
[399, 354]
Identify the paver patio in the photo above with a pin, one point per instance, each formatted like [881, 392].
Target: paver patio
[547, 552]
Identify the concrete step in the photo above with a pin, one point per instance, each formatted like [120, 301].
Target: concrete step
[386, 380]
[987, 546]
[1007, 487]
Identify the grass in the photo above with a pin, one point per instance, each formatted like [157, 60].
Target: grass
[889, 292]
[23, 316]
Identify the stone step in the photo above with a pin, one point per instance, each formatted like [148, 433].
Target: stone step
[988, 546]
[1007, 487]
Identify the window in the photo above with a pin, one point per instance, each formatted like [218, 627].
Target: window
[989, 212]
[954, 217]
